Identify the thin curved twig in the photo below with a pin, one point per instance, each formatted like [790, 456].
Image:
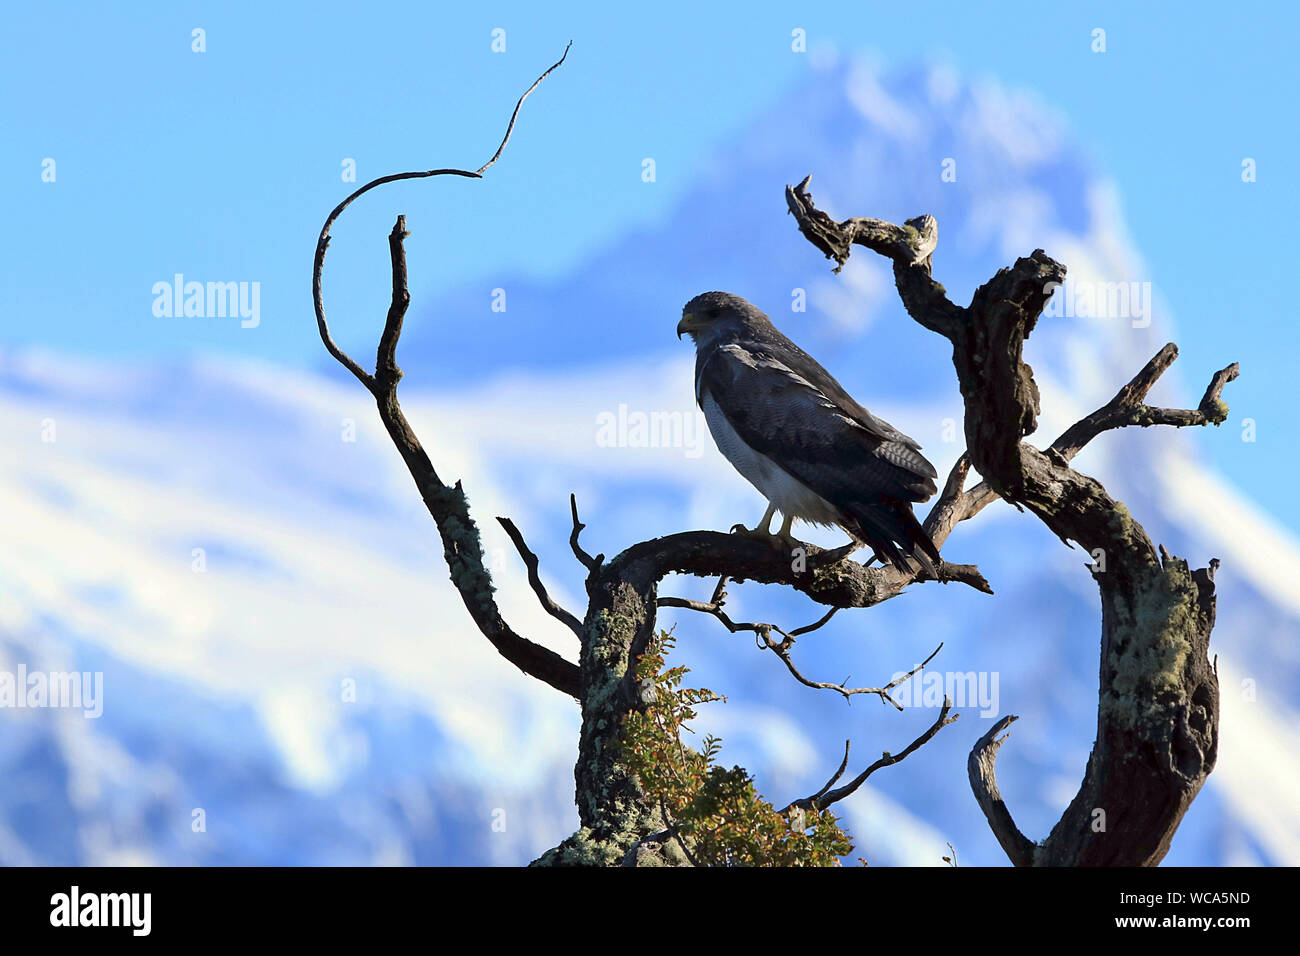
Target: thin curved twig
[515, 115]
[586, 560]
[844, 765]
[564, 616]
[323, 240]
[824, 798]
[462, 545]
[763, 635]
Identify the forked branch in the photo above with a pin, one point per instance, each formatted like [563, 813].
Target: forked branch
[462, 546]
[824, 797]
[1157, 723]
[1128, 407]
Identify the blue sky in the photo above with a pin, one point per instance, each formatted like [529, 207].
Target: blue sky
[222, 164]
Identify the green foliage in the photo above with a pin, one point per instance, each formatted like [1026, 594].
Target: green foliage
[717, 813]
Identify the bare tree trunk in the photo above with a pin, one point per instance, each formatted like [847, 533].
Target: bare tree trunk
[612, 810]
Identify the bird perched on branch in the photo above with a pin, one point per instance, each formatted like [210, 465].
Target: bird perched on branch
[798, 437]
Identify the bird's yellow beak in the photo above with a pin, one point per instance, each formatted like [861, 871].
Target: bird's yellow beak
[687, 324]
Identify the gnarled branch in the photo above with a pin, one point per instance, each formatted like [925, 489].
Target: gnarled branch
[984, 782]
[586, 560]
[825, 796]
[842, 583]
[462, 546]
[567, 618]
[1129, 408]
[1157, 734]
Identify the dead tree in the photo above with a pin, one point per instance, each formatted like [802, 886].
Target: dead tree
[1158, 710]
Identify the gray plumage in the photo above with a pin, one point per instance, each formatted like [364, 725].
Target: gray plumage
[800, 438]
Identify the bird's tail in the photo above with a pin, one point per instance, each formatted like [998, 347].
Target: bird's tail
[892, 531]
[920, 546]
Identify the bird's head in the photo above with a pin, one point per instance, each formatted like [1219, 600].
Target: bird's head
[711, 316]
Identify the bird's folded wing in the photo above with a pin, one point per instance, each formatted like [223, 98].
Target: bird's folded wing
[800, 363]
[780, 413]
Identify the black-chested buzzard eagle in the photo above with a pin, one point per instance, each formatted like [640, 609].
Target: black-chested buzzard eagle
[800, 439]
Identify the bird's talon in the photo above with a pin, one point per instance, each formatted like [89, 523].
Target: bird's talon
[780, 542]
[761, 533]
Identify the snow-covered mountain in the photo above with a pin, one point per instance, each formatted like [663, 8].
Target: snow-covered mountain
[288, 677]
